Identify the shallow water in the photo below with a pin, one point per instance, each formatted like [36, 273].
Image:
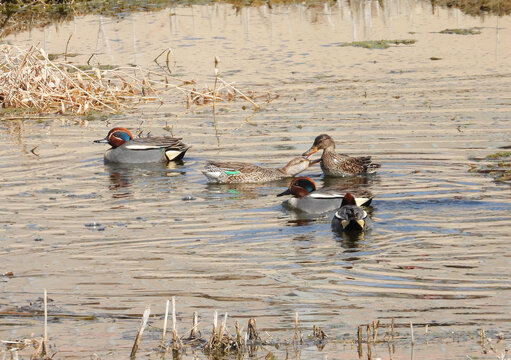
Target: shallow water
[109, 241]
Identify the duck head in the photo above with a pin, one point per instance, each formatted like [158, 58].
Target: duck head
[116, 137]
[297, 165]
[300, 187]
[321, 142]
[351, 216]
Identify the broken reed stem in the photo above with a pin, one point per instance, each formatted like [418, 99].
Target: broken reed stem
[253, 335]
[256, 107]
[173, 313]
[165, 321]
[392, 328]
[369, 350]
[376, 325]
[143, 325]
[45, 334]
[214, 86]
[215, 322]
[195, 324]
[175, 337]
[411, 333]
[222, 328]
[296, 326]
[359, 337]
[238, 333]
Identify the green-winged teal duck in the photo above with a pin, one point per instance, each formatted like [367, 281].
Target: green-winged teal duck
[308, 199]
[239, 172]
[126, 149]
[339, 165]
[351, 217]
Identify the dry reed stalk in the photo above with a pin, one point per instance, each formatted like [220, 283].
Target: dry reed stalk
[256, 107]
[165, 321]
[359, 338]
[143, 325]
[296, 327]
[176, 342]
[376, 325]
[195, 324]
[238, 334]
[369, 347]
[318, 333]
[253, 334]
[45, 334]
[411, 333]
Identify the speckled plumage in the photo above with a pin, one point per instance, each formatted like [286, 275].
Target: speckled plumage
[308, 199]
[351, 217]
[125, 149]
[239, 172]
[340, 165]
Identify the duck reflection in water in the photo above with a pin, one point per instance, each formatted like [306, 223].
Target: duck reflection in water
[122, 177]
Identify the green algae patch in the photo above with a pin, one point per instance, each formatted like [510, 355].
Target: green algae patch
[499, 155]
[497, 165]
[379, 44]
[468, 31]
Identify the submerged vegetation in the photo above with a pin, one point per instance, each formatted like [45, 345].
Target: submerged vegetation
[497, 165]
[379, 44]
[469, 31]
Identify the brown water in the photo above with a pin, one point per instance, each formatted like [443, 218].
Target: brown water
[109, 241]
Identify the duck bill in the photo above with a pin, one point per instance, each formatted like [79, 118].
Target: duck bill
[352, 225]
[101, 141]
[311, 151]
[287, 192]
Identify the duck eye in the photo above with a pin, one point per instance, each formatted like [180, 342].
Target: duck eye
[122, 135]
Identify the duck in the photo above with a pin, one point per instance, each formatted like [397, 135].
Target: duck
[126, 149]
[350, 217]
[308, 199]
[339, 165]
[242, 173]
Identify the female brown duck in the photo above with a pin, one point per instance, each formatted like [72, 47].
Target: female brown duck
[339, 165]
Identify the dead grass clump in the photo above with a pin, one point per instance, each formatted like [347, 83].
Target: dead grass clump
[33, 82]
[30, 81]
